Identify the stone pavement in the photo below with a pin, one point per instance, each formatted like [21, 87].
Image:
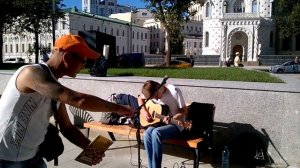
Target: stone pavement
[123, 154]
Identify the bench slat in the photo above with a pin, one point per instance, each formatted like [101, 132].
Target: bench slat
[127, 130]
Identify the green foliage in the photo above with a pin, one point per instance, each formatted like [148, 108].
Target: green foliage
[37, 18]
[9, 11]
[172, 14]
[38, 15]
[287, 18]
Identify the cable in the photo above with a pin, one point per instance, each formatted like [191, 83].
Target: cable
[131, 162]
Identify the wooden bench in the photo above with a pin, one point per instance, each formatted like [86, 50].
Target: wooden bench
[201, 114]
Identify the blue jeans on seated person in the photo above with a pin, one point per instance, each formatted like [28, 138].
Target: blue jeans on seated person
[35, 162]
[153, 138]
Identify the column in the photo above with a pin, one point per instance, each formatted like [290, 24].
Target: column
[256, 48]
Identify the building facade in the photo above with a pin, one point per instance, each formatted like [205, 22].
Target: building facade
[16, 45]
[103, 7]
[244, 26]
[192, 31]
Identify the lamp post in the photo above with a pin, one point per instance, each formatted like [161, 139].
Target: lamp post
[53, 22]
[133, 11]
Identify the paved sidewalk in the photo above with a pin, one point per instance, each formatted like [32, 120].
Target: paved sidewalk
[123, 154]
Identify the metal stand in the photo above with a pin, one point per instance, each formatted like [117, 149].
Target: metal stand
[137, 121]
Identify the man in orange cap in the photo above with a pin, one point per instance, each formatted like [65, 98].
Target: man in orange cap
[26, 108]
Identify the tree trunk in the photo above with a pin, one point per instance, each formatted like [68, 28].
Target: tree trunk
[167, 49]
[1, 46]
[36, 47]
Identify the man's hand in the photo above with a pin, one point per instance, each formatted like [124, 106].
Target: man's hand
[167, 119]
[147, 116]
[126, 111]
[179, 116]
[97, 158]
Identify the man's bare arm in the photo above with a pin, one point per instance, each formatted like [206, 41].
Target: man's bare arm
[34, 79]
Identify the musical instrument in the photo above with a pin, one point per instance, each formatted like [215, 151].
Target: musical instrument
[156, 111]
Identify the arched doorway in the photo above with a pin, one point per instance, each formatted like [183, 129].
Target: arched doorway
[238, 48]
[239, 42]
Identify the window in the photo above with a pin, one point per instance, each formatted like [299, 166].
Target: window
[285, 46]
[123, 33]
[83, 26]
[225, 7]
[132, 34]
[145, 49]
[91, 27]
[298, 43]
[111, 4]
[144, 14]
[142, 36]
[11, 48]
[146, 34]
[117, 32]
[254, 6]
[239, 6]
[111, 11]
[138, 35]
[102, 12]
[195, 44]
[206, 39]
[117, 49]
[6, 50]
[271, 40]
[208, 10]
[17, 48]
[63, 25]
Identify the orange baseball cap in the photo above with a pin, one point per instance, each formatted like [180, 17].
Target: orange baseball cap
[75, 44]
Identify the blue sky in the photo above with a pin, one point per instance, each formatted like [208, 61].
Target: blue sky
[135, 3]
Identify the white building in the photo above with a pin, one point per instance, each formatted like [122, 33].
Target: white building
[103, 7]
[192, 32]
[18, 45]
[244, 26]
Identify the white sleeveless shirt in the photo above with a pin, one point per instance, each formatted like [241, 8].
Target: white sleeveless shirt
[24, 119]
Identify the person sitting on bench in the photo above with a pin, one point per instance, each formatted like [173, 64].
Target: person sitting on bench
[154, 135]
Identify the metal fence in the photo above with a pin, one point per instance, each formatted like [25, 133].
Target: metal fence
[265, 60]
[198, 59]
[275, 59]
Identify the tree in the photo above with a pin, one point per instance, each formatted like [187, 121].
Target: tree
[176, 42]
[172, 14]
[287, 18]
[9, 11]
[38, 19]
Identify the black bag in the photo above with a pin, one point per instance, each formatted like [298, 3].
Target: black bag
[123, 99]
[52, 146]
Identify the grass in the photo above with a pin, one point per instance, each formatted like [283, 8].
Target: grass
[213, 73]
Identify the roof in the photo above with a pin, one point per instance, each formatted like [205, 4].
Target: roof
[108, 19]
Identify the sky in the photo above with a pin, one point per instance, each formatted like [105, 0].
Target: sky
[134, 3]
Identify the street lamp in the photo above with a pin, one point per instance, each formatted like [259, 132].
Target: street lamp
[53, 22]
[133, 11]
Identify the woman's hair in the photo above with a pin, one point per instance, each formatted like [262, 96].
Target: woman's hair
[149, 88]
